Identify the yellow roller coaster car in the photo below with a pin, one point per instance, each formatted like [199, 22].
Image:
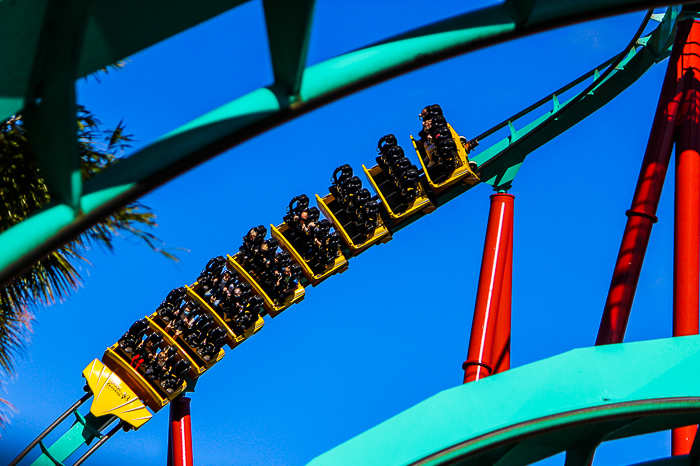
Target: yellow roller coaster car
[339, 265]
[331, 209]
[462, 171]
[153, 395]
[111, 396]
[198, 365]
[233, 336]
[271, 306]
[392, 203]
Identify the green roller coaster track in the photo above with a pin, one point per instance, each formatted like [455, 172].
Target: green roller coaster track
[571, 402]
[648, 386]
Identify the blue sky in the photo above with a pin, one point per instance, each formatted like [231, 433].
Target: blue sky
[394, 329]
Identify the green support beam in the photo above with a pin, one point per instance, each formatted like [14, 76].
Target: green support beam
[571, 402]
[115, 30]
[20, 30]
[288, 32]
[50, 107]
[260, 110]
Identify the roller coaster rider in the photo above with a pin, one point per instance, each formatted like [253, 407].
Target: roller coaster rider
[287, 281]
[157, 367]
[301, 221]
[297, 206]
[210, 275]
[130, 340]
[252, 242]
[212, 343]
[329, 250]
[169, 307]
[188, 314]
[263, 260]
[174, 376]
[146, 350]
[426, 117]
[223, 288]
[269, 276]
[197, 332]
[250, 313]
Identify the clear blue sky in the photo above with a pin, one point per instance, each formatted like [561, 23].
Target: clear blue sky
[394, 329]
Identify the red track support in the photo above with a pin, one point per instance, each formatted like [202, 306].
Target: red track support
[642, 215]
[488, 296]
[501, 341]
[686, 252]
[180, 441]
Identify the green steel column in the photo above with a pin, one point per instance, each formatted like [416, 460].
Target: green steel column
[50, 106]
[288, 32]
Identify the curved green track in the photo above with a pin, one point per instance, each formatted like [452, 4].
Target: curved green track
[561, 404]
[571, 402]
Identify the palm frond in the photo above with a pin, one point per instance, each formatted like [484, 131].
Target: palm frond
[54, 277]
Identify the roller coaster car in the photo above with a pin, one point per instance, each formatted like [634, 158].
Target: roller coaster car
[118, 400]
[234, 336]
[199, 363]
[391, 198]
[314, 277]
[154, 392]
[352, 237]
[272, 306]
[438, 179]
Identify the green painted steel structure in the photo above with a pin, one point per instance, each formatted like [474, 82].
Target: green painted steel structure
[571, 402]
[50, 43]
[562, 403]
[84, 431]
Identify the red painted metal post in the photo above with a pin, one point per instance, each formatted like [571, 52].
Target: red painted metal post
[181, 432]
[642, 215]
[488, 296]
[686, 247]
[501, 342]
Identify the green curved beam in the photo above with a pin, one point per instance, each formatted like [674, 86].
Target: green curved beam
[114, 31]
[267, 107]
[570, 402]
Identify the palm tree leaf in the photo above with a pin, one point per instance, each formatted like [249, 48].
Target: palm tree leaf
[55, 276]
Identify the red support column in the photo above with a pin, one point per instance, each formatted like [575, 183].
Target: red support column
[642, 215]
[488, 297]
[501, 341]
[686, 252]
[181, 433]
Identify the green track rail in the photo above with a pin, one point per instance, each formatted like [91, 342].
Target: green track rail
[568, 403]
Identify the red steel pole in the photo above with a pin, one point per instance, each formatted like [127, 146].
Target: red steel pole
[642, 215]
[501, 341]
[686, 244]
[181, 432]
[488, 296]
